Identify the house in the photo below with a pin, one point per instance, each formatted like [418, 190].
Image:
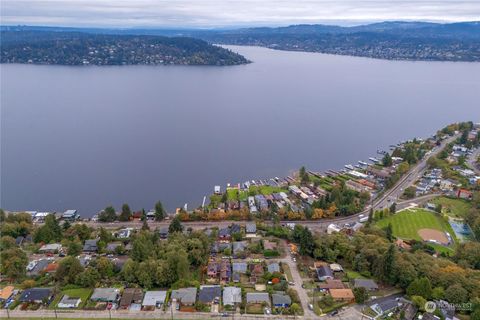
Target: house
[131, 296]
[235, 228]
[217, 190]
[273, 267]
[70, 215]
[384, 305]
[185, 296]
[336, 267]
[112, 246]
[240, 267]
[464, 194]
[281, 300]
[6, 293]
[365, 283]
[19, 240]
[124, 233]
[269, 245]
[210, 294]
[37, 295]
[105, 295]
[154, 299]
[258, 297]
[69, 302]
[224, 235]
[256, 271]
[90, 245]
[342, 294]
[232, 296]
[225, 270]
[238, 247]
[332, 227]
[331, 284]
[50, 248]
[324, 272]
[163, 232]
[51, 267]
[38, 266]
[213, 269]
[251, 229]
[150, 215]
[402, 244]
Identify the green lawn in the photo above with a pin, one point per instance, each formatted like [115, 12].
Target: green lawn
[256, 308]
[287, 271]
[265, 190]
[82, 293]
[407, 222]
[457, 208]
[232, 194]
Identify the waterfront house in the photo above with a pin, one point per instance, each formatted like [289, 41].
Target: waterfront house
[210, 294]
[69, 302]
[37, 295]
[281, 300]
[232, 296]
[154, 299]
[185, 296]
[131, 296]
[70, 215]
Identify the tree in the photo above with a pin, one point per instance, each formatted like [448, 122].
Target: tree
[68, 269]
[420, 287]
[456, 294]
[88, 278]
[50, 231]
[142, 247]
[361, 295]
[175, 225]
[145, 226]
[438, 293]
[107, 215]
[160, 212]
[419, 302]
[295, 308]
[393, 208]
[410, 192]
[7, 242]
[126, 213]
[304, 178]
[389, 232]
[13, 262]
[387, 160]
[389, 265]
[104, 267]
[370, 216]
[74, 248]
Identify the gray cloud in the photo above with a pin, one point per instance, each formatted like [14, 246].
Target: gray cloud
[215, 13]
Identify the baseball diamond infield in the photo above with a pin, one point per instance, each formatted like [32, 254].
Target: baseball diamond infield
[433, 235]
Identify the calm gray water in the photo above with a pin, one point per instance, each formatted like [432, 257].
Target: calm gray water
[87, 137]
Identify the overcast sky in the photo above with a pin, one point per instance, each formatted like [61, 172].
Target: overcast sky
[224, 13]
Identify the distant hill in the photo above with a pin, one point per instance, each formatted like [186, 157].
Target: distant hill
[386, 40]
[395, 40]
[50, 46]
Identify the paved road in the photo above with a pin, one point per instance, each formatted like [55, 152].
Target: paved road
[472, 161]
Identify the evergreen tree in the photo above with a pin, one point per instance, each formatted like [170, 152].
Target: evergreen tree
[389, 265]
[175, 225]
[126, 213]
[389, 232]
[159, 211]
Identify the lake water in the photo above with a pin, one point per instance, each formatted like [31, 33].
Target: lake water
[88, 137]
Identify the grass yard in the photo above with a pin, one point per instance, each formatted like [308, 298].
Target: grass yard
[265, 190]
[256, 308]
[407, 222]
[82, 293]
[354, 275]
[232, 194]
[287, 271]
[457, 208]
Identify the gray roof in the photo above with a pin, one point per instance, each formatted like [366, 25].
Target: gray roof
[258, 297]
[324, 271]
[232, 295]
[273, 267]
[185, 295]
[239, 246]
[69, 300]
[281, 299]
[365, 283]
[113, 245]
[90, 245]
[105, 294]
[152, 298]
[240, 267]
[209, 293]
[35, 294]
[41, 264]
[250, 227]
